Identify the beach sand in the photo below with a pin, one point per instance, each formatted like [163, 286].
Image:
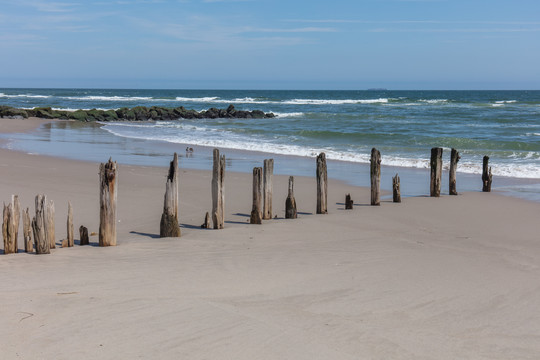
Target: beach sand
[430, 278]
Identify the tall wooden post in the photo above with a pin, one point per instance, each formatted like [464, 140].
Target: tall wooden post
[27, 232]
[218, 191]
[41, 243]
[169, 226]
[454, 158]
[256, 210]
[322, 184]
[49, 224]
[107, 201]
[69, 225]
[486, 175]
[436, 172]
[290, 203]
[10, 225]
[268, 174]
[396, 190]
[375, 177]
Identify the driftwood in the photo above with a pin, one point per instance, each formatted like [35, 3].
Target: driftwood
[268, 174]
[486, 175]
[396, 190]
[10, 225]
[49, 224]
[83, 233]
[27, 231]
[348, 202]
[322, 184]
[206, 223]
[169, 226]
[436, 172]
[454, 158]
[256, 210]
[41, 242]
[218, 191]
[290, 203]
[70, 236]
[107, 200]
[375, 177]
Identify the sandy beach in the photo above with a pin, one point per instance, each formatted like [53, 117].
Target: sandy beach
[430, 278]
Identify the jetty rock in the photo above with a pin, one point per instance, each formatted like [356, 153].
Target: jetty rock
[138, 113]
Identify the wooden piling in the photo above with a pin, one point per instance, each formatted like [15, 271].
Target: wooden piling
[49, 224]
[290, 203]
[206, 223]
[10, 225]
[322, 184]
[396, 189]
[83, 234]
[218, 191]
[107, 200]
[27, 232]
[69, 225]
[375, 177]
[348, 202]
[256, 210]
[169, 226]
[268, 174]
[486, 175]
[436, 172]
[454, 158]
[41, 242]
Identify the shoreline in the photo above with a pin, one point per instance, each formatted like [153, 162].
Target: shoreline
[430, 278]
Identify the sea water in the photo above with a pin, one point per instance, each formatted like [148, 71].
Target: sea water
[403, 125]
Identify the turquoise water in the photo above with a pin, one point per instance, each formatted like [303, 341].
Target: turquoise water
[403, 125]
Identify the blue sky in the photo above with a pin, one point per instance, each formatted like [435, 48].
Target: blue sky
[271, 44]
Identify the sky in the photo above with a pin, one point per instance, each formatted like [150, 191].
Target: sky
[271, 44]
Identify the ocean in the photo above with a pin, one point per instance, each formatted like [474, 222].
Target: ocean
[346, 125]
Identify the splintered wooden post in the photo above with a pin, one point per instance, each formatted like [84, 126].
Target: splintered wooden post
[486, 175]
[49, 224]
[454, 158]
[348, 202]
[107, 200]
[218, 191]
[206, 223]
[69, 224]
[256, 211]
[268, 174]
[27, 232]
[375, 177]
[41, 242]
[290, 203]
[396, 190]
[83, 233]
[436, 172]
[10, 225]
[169, 226]
[322, 184]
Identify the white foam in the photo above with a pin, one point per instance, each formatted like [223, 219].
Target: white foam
[24, 96]
[110, 98]
[292, 114]
[334, 102]
[199, 99]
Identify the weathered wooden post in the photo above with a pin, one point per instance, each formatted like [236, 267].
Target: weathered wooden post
[10, 225]
[83, 233]
[436, 172]
[375, 177]
[169, 226]
[107, 201]
[49, 224]
[486, 175]
[454, 158]
[70, 230]
[268, 174]
[348, 202]
[206, 223]
[396, 190]
[256, 211]
[322, 184]
[290, 203]
[27, 231]
[41, 242]
[218, 191]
